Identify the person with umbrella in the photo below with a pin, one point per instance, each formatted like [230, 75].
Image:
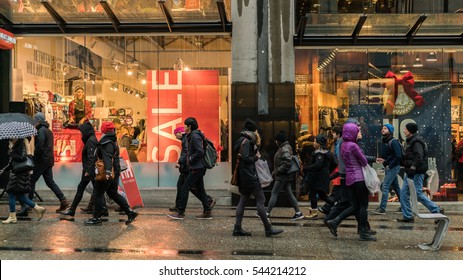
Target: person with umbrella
[17, 127]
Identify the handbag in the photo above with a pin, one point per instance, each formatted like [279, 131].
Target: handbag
[295, 165]
[234, 181]
[100, 171]
[263, 172]
[23, 166]
[371, 179]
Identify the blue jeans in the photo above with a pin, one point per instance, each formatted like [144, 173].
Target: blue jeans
[390, 180]
[22, 197]
[405, 197]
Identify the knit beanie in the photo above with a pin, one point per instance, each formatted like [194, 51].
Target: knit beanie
[390, 127]
[180, 129]
[78, 87]
[281, 136]
[412, 127]
[250, 125]
[353, 120]
[321, 139]
[39, 117]
[107, 127]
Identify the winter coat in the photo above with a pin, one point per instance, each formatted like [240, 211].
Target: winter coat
[248, 179]
[88, 151]
[108, 151]
[352, 155]
[182, 159]
[282, 162]
[319, 170]
[415, 155]
[20, 182]
[195, 154]
[391, 152]
[43, 153]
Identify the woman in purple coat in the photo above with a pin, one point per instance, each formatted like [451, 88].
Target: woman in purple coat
[354, 160]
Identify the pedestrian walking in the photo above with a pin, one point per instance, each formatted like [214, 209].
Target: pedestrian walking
[181, 164]
[415, 167]
[322, 164]
[283, 180]
[88, 166]
[19, 182]
[391, 156]
[43, 164]
[196, 171]
[108, 151]
[247, 150]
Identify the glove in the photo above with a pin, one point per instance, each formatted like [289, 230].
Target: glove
[411, 172]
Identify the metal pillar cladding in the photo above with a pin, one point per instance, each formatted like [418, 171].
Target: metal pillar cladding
[5, 79]
[262, 56]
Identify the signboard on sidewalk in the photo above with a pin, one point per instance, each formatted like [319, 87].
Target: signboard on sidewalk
[129, 182]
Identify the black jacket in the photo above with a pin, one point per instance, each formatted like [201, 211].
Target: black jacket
[20, 182]
[248, 179]
[195, 154]
[88, 151]
[183, 154]
[108, 151]
[416, 157]
[319, 170]
[43, 153]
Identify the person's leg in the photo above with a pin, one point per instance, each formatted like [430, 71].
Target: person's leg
[418, 181]
[36, 173]
[388, 179]
[277, 186]
[405, 201]
[99, 190]
[260, 201]
[115, 196]
[184, 192]
[48, 178]
[12, 202]
[35, 207]
[292, 198]
[84, 181]
[238, 229]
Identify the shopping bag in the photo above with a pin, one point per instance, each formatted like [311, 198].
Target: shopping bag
[263, 172]
[371, 179]
[295, 165]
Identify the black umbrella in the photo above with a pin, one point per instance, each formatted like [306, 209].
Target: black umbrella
[16, 125]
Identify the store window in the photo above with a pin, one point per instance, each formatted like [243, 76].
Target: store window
[379, 86]
[146, 85]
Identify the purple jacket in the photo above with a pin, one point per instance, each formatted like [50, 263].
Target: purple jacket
[351, 154]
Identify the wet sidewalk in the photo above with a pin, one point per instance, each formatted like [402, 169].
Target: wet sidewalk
[154, 236]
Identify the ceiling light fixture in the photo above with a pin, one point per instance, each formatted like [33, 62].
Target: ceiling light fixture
[417, 62]
[432, 56]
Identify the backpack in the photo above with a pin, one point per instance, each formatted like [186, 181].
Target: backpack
[210, 154]
[402, 151]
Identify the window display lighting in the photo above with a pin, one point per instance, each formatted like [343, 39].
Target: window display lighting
[417, 62]
[432, 56]
[327, 60]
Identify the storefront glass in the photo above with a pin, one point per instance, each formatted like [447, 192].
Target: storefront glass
[379, 86]
[149, 84]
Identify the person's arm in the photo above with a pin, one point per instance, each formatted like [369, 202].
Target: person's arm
[197, 148]
[39, 144]
[246, 154]
[72, 116]
[90, 168]
[88, 110]
[418, 149]
[286, 162]
[358, 154]
[318, 164]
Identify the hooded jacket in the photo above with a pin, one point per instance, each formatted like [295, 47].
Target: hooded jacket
[319, 170]
[352, 155]
[88, 151]
[248, 179]
[416, 155]
[108, 151]
[282, 162]
[391, 152]
[43, 153]
[195, 154]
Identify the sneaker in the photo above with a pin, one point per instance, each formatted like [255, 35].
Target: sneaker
[212, 203]
[207, 215]
[404, 220]
[297, 216]
[173, 209]
[176, 216]
[379, 211]
[441, 210]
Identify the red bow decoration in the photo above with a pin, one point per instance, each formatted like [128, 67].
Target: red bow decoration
[408, 83]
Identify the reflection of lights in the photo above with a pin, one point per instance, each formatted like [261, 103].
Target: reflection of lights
[62, 250]
[114, 87]
[129, 71]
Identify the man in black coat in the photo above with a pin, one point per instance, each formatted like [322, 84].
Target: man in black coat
[43, 163]
[196, 171]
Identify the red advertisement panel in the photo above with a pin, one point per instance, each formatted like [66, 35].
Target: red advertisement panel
[68, 145]
[172, 97]
[7, 40]
[129, 182]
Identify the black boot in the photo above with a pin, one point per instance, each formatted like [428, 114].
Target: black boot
[365, 236]
[333, 226]
[131, 216]
[90, 207]
[270, 231]
[24, 212]
[238, 231]
[93, 222]
[70, 212]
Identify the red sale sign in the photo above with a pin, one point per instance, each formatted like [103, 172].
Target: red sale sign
[129, 182]
[174, 96]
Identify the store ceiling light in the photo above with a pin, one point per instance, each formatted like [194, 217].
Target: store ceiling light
[432, 56]
[129, 71]
[417, 62]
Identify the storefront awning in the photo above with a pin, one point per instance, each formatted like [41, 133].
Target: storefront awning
[115, 16]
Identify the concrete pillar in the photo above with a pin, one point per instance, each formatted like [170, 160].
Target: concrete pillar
[5, 79]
